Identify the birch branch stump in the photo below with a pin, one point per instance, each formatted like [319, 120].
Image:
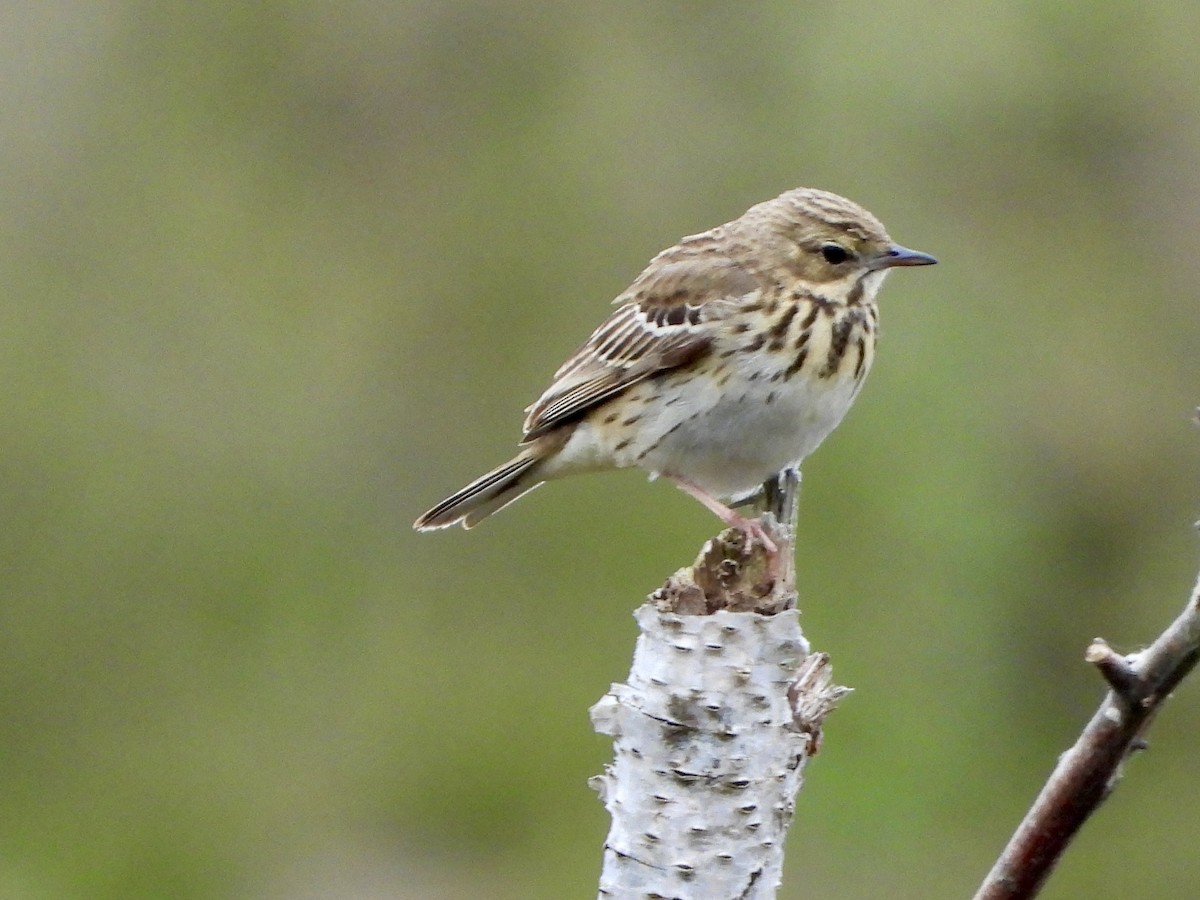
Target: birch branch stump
[721, 712]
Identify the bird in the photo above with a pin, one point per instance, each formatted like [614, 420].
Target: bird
[730, 358]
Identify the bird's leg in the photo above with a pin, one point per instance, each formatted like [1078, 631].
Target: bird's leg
[752, 528]
[781, 498]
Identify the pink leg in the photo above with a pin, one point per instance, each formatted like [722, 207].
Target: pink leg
[752, 528]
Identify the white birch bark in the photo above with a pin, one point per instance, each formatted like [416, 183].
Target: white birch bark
[712, 732]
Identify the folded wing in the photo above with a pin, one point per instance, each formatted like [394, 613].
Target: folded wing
[664, 321]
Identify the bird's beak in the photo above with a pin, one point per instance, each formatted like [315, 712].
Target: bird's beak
[902, 256]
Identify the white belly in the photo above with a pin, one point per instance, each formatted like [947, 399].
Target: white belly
[735, 438]
[727, 438]
[748, 416]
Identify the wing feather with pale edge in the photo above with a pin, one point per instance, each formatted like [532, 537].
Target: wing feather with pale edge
[659, 326]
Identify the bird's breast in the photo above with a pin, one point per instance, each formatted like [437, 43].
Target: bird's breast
[776, 381]
[771, 390]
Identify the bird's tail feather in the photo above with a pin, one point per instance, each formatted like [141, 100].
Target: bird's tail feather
[486, 494]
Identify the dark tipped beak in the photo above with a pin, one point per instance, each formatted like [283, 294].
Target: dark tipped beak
[902, 256]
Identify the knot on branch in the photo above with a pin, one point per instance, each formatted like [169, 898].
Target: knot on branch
[1118, 671]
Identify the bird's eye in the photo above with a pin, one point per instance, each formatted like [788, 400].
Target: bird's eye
[834, 254]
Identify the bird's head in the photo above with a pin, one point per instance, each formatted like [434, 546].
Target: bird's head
[832, 244]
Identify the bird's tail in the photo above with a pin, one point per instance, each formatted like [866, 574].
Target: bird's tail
[487, 494]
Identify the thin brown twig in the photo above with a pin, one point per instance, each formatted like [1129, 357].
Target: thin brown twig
[1087, 773]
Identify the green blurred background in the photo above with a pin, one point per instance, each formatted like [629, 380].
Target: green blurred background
[279, 276]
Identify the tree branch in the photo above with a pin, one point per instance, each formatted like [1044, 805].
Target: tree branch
[722, 710]
[1087, 773]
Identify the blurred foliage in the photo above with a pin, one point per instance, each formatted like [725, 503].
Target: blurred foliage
[280, 275]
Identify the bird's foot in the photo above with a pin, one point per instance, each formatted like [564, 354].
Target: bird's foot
[754, 529]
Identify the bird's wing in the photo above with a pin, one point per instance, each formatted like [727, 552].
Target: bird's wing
[662, 323]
